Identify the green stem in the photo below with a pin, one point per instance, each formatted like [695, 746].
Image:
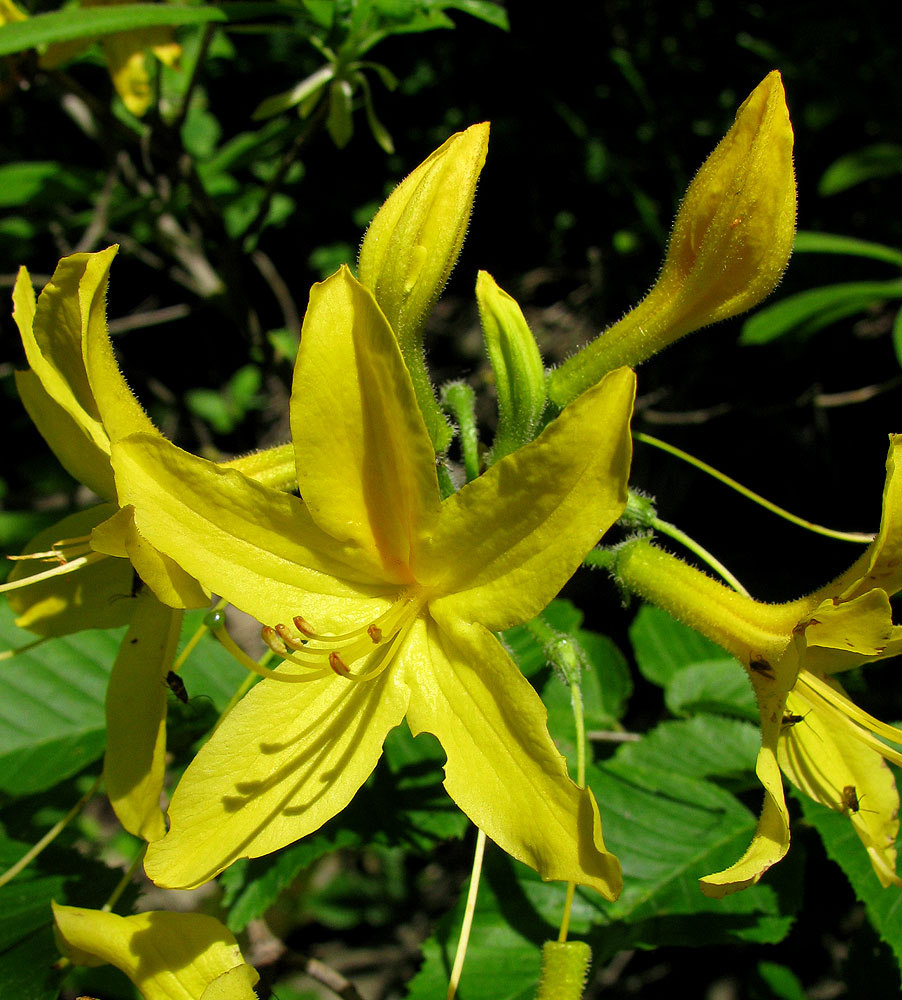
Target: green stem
[460, 399]
[845, 536]
[666, 528]
[467, 923]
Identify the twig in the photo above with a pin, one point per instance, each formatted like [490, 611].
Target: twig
[329, 977]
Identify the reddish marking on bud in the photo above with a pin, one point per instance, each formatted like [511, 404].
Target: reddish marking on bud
[338, 664]
[375, 633]
[304, 627]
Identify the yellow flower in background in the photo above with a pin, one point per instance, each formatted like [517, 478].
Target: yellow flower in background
[166, 955]
[811, 730]
[126, 57]
[728, 248]
[394, 595]
[79, 401]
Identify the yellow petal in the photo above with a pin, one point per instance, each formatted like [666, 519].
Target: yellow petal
[119, 536]
[366, 466]
[134, 764]
[508, 541]
[256, 547]
[285, 760]
[824, 760]
[862, 625]
[881, 565]
[168, 956]
[413, 243]
[78, 450]
[95, 596]
[503, 769]
[771, 839]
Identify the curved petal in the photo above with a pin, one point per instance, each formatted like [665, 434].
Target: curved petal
[508, 541]
[771, 839]
[168, 956]
[136, 696]
[366, 466]
[97, 595]
[285, 760]
[74, 442]
[824, 760]
[119, 410]
[255, 546]
[119, 536]
[503, 769]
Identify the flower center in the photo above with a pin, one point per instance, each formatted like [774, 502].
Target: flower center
[373, 645]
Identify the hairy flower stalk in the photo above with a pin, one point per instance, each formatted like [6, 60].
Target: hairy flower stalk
[811, 730]
[394, 595]
[729, 246]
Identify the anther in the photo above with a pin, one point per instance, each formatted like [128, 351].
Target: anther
[375, 633]
[272, 640]
[288, 638]
[304, 627]
[339, 665]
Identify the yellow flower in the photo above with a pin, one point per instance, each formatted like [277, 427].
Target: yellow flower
[126, 57]
[394, 595]
[829, 748]
[77, 397]
[166, 955]
[729, 246]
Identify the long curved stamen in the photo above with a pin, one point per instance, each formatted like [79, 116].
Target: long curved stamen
[832, 702]
[70, 566]
[376, 642]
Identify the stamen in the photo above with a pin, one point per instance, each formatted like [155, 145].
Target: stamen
[47, 574]
[337, 653]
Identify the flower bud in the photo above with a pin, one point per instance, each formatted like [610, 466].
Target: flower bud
[413, 243]
[517, 364]
[729, 246]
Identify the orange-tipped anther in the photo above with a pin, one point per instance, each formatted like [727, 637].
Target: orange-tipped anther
[304, 627]
[339, 665]
[375, 633]
[285, 635]
[272, 640]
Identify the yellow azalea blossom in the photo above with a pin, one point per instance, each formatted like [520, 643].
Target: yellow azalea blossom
[168, 956]
[126, 57]
[79, 401]
[394, 595]
[829, 748]
[729, 246]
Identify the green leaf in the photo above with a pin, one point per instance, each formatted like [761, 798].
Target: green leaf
[879, 160]
[807, 242]
[92, 22]
[22, 183]
[807, 312]
[897, 337]
[51, 715]
[783, 983]
[663, 646]
[719, 686]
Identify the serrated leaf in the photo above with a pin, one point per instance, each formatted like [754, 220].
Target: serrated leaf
[51, 714]
[663, 646]
[718, 686]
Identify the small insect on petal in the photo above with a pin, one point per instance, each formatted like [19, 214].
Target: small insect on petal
[761, 667]
[848, 803]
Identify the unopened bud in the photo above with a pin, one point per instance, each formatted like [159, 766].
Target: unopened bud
[728, 249]
[517, 364]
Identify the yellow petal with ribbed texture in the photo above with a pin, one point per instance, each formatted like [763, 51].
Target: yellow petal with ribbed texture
[503, 768]
[507, 542]
[285, 760]
[136, 699]
[168, 956]
[365, 462]
[256, 547]
[832, 765]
